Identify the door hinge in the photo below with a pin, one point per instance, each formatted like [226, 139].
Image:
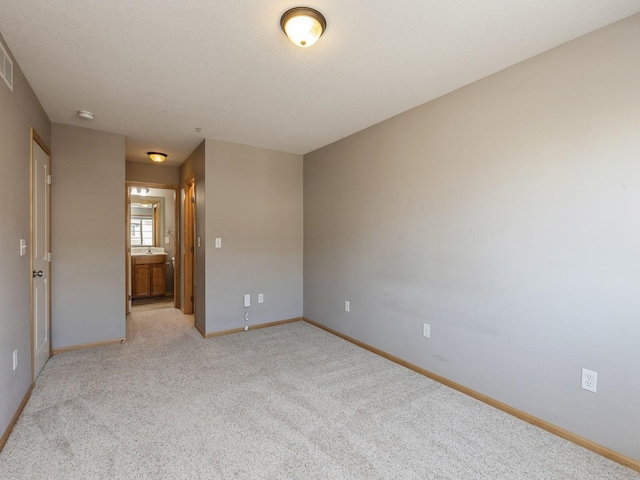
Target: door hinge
[48, 179]
[192, 250]
[191, 298]
[129, 297]
[49, 257]
[193, 199]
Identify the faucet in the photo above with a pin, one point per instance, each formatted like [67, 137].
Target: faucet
[148, 249]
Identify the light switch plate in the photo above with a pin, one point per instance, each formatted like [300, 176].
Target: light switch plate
[23, 247]
[167, 240]
[247, 300]
[218, 242]
[261, 298]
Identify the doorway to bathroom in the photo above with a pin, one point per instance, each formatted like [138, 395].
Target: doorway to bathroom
[152, 246]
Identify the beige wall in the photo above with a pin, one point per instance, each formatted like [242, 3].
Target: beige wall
[88, 236]
[505, 215]
[254, 204]
[20, 111]
[152, 173]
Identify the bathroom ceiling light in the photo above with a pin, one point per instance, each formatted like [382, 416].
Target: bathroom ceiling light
[303, 25]
[142, 191]
[157, 157]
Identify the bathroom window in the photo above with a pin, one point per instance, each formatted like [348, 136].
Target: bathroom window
[142, 231]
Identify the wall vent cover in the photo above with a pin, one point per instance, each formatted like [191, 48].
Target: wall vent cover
[6, 67]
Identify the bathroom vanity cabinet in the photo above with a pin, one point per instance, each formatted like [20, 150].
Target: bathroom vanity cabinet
[148, 276]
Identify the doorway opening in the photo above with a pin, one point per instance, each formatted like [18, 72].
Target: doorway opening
[189, 284]
[152, 246]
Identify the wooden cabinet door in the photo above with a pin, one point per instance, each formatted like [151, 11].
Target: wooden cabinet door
[157, 277]
[148, 276]
[141, 283]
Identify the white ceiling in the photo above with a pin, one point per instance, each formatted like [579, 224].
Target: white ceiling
[154, 70]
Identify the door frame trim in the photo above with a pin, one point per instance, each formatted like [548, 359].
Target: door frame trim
[176, 237]
[188, 305]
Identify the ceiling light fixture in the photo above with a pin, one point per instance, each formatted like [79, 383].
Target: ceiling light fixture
[303, 25]
[157, 157]
[142, 191]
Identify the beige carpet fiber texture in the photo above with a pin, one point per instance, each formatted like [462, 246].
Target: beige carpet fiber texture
[287, 402]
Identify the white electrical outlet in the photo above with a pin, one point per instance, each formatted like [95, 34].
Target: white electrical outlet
[261, 298]
[247, 300]
[347, 306]
[589, 380]
[15, 359]
[426, 330]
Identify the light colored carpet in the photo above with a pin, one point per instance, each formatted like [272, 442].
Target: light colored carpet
[152, 305]
[288, 402]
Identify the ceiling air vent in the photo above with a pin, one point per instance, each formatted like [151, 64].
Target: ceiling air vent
[6, 67]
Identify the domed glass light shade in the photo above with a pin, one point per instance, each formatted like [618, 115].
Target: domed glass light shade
[303, 25]
[157, 157]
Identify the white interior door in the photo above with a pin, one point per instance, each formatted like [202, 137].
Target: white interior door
[40, 255]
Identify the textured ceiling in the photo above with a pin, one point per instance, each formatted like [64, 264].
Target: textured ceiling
[155, 70]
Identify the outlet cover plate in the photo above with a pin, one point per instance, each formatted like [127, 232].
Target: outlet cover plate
[426, 330]
[589, 380]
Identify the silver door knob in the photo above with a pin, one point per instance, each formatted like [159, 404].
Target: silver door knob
[39, 273]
